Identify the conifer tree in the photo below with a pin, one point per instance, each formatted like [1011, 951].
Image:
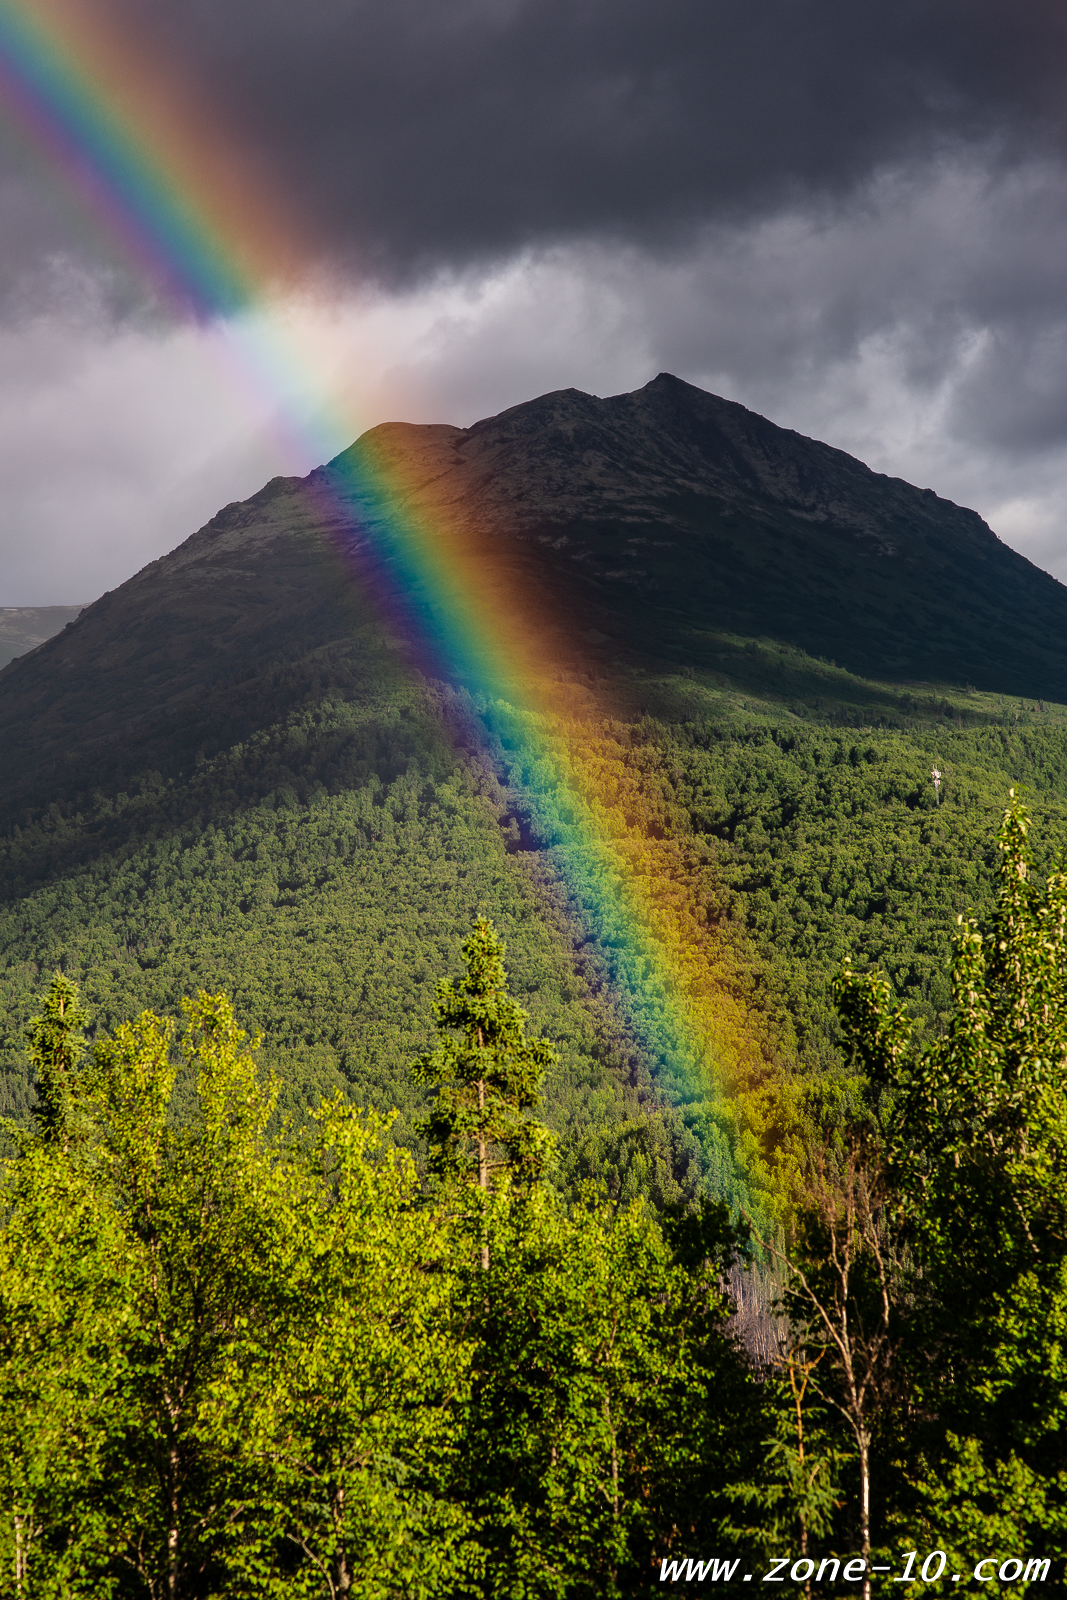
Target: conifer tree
[486, 1073]
[57, 1044]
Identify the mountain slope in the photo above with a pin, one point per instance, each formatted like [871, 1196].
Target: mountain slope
[232, 770]
[23, 628]
[665, 516]
[647, 526]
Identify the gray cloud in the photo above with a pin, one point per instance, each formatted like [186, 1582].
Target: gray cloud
[852, 218]
[897, 329]
[423, 132]
[429, 132]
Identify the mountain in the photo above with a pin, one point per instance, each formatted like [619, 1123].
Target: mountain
[23, 628]
[648, 525]
[668, 515]
[235, 771]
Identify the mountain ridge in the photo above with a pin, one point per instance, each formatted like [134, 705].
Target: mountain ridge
[721, 520]
[666, 472]
[646, 526]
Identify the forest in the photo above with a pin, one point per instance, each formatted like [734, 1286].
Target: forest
[321, 856]
[248, 1354]
[767, 1258]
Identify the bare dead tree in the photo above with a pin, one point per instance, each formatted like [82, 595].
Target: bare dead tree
[844, 1286]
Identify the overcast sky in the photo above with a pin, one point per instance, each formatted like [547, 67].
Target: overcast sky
[852, 218]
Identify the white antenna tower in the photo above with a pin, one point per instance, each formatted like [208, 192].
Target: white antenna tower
[935, 773]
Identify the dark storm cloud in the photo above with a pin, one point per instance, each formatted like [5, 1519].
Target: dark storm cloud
[422, 132]
[850, 215]
[55, 255]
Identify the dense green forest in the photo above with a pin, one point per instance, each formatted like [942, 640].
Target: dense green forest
[241, 1357]
[730, 1230]
[323, 863]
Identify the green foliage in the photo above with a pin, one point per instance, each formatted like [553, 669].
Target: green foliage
[794, 1497]
[609, 1407]
[325, 850]
[325, 866]
[56, 1046]
[198, 1211]
[246, 1360]
[65, 1291]
[488, 1079]
[243, 1358]
[977, 1139]
[828, 843]
[326, 917]
[343, 1390]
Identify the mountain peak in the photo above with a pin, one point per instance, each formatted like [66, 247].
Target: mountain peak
[667, 380]
[657, 520]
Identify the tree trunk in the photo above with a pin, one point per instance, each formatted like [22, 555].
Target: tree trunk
[614, 1486]
[865, 1509]
[21, 1553]
[798, 1397]
[344, 1574]
[173, 1546]
[483, 1166]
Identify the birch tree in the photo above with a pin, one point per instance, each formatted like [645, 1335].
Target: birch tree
[345, 1400]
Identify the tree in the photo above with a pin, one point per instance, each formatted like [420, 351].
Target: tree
[977, 1156]
[345, 1398]
[486, 1076]
[63, 1297]
[845, 1287]
[227, 1357]
[790, 1502]
[609, 1406]
[57, 1045]
[123, 1281]
[64, 1301]
[203, 1213]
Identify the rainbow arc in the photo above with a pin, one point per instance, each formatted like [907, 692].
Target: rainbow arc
[147, 169]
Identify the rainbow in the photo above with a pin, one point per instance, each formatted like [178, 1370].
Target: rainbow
[147, 171]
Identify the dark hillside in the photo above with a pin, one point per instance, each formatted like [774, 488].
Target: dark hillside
[156, 667]
[667, 516]
[649, 525]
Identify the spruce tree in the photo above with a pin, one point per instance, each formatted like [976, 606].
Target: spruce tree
[57, 1044]
[486, 1074]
